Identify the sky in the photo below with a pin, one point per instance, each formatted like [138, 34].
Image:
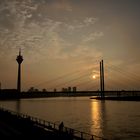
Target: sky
[63, 42]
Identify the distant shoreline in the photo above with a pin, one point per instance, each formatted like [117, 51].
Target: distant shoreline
[123, 98]
[109, 95]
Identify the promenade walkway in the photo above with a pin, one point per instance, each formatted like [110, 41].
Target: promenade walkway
[13, 124]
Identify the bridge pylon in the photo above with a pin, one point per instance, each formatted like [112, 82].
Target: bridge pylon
[102, 79]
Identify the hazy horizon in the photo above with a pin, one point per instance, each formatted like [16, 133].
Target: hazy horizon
[63, 41]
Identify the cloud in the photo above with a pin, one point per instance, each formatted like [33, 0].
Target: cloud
[85, 53]
[93, 36]
[43, 38]
[61, 5]
[17, 12]
[86, 22]
[90, 20]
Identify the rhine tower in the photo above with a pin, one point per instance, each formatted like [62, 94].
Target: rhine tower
[19, 61]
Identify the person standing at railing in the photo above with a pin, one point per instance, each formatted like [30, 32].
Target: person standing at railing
[61, 126]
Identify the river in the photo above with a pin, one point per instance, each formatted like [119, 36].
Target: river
[113, 120]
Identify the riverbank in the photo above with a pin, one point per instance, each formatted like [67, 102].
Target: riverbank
[118, 98]
[14, 125]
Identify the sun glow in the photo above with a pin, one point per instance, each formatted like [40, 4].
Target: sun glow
[94, 77]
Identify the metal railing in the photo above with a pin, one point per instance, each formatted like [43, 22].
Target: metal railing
[76, 134]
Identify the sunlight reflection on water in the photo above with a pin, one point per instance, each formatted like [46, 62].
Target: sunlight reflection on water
[110, 119]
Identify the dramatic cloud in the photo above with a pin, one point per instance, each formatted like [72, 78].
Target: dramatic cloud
[66, 35]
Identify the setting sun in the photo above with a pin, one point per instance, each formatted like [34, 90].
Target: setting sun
[93, 76]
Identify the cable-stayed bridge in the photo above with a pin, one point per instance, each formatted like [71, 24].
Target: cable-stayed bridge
[107, 79]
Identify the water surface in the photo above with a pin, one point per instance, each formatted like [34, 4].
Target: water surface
[116, 120]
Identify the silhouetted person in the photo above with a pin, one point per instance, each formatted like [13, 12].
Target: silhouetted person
[61, 125]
